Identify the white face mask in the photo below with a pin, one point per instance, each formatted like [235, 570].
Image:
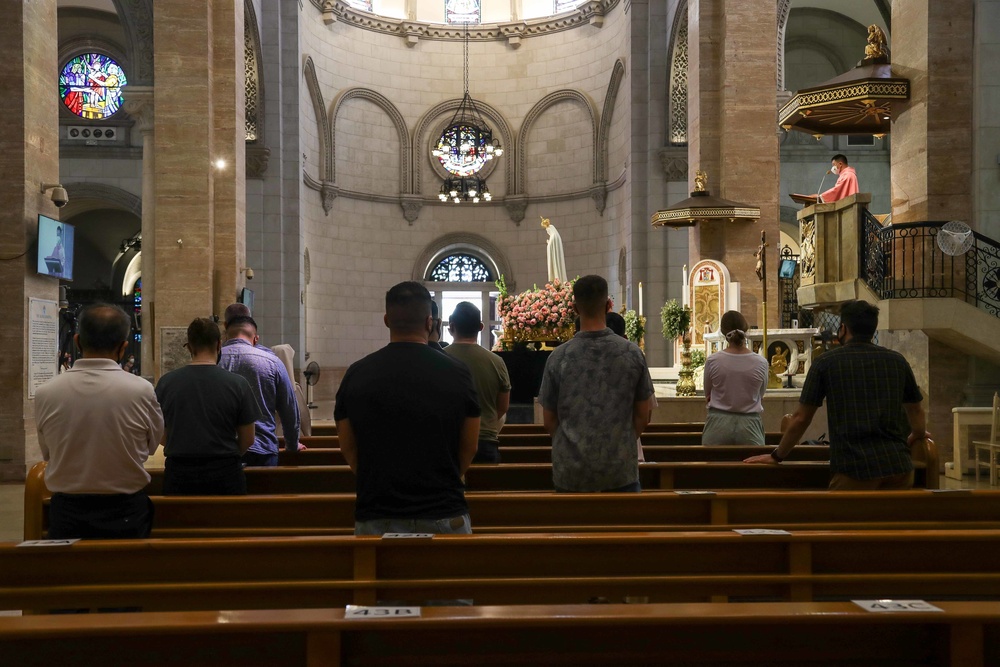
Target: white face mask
[834, 170]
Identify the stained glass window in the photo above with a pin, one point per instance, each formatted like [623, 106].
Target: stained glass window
[91, 86]
[566, 5]
[457, 159]
[364, 5]
[461, 268]
[463, 11]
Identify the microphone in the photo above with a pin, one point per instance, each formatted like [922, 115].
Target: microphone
[819, 197]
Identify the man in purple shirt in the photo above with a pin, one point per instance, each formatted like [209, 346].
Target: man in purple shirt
[271, 386]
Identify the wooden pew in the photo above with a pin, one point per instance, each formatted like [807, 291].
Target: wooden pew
[963, 634]
[333, 514]
[285, 573]
[328, 427]
[544, 440]
[543, 454]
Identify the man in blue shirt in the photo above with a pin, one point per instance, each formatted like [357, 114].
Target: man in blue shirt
[271, 386]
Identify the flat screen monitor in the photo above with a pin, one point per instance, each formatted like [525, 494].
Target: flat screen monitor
[246, 298]
[787, 268]
[56, 243]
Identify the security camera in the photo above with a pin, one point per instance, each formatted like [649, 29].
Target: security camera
[59, 196]
[249, 274]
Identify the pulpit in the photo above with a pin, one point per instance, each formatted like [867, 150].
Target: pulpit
[830, 263]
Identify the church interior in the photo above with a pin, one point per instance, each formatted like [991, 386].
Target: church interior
[303, 157]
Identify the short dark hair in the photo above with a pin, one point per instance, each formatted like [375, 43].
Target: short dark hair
[203, 334]
[241, 324]
[590, 294]
[860, 318]
[407, 306]
[616, 323]
[839, 157]
[103, 327]
[466, 320]
[235, 310]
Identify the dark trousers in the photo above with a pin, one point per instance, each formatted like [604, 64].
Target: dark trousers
[100, 517]
[487, 452]
[215, 476]
[255, 460]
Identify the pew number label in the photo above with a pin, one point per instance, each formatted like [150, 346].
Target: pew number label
[917, 606]
[355, 611]
[695, 493]
[409, 536]
[761, 531]
[48, 543]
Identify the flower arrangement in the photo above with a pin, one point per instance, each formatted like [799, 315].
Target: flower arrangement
[676, 319]
[635, 326]
[541, 313]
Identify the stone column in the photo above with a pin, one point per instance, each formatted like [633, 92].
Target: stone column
[198, 189]
[986, 169]
[732, 129]
[932, 135]
[29, 156]
[139, 106]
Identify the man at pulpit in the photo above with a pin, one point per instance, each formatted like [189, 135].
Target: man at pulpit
[847, 180]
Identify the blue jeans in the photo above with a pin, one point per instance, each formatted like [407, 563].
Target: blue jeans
[458, 525]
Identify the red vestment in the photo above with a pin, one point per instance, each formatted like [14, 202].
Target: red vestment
[847, 185]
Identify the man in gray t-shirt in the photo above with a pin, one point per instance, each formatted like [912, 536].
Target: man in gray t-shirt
[595, 399]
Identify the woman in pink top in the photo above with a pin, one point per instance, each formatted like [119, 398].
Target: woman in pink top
[735, 380]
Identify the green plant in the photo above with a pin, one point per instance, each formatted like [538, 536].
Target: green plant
[676, 319]
[697, 358]
[635, 326]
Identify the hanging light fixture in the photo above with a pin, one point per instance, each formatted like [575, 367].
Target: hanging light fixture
[464, 148]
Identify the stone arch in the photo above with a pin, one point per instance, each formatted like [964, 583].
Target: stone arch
[463, 242]
[610, 99]
[136, 17]
[322, 121]
[78, 45]
[537, 110]
[382, 102]
[677, 103]
[821, 46]
[490, 113]
[84, 197]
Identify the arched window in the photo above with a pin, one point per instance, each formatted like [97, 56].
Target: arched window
[90, 85]
[679, 82]
[463, 274]
[461, 268]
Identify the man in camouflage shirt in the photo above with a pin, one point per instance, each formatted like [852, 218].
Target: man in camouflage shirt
[595, 397]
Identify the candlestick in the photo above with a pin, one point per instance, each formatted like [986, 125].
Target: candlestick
[640, 298]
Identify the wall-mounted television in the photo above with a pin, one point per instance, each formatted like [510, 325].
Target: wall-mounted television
[56, 243]
[246, 298]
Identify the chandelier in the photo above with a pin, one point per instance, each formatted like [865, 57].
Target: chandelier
[464, 148]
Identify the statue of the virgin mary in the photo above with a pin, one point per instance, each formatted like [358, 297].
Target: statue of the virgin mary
[554, 252]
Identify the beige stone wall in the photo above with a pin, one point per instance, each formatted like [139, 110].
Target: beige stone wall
[363, 247]
[986, 167]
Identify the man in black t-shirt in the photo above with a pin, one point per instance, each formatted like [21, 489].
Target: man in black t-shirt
[209, 415]
[408, 423]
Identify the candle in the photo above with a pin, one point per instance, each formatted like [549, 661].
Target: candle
[640, 299]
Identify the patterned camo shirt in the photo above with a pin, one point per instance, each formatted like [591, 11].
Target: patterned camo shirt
[865, 387]
[592, 383]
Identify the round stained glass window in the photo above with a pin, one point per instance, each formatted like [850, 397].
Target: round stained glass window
[462, 150]
[91, 86]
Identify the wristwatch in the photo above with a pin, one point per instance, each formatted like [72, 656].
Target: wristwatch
[774, 455]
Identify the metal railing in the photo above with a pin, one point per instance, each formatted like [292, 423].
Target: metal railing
[903, 261]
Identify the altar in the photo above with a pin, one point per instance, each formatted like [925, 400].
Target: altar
[791, 350]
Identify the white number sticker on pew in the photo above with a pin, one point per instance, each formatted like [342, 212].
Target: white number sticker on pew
[407, 536]
[760, 531]
[896, 605]
[357, 611]
[49, 543]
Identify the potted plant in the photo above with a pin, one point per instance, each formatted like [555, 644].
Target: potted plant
[676, 320]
